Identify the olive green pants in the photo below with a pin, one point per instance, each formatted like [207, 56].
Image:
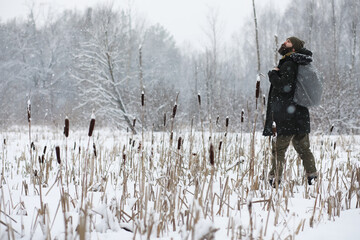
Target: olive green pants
[301, 144]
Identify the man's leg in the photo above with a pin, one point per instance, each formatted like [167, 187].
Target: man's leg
[278, 150]
[301, 144]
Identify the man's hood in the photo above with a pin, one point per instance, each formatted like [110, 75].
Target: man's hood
[303, 56]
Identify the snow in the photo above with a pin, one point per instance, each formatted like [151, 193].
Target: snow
[119, 205]
[344, 227]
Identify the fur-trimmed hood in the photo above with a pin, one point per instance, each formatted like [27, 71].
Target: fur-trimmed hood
[303, 56]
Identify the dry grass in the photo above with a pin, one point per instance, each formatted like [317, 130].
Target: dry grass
[150, 187]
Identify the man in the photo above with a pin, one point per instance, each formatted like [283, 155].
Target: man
[292, 121]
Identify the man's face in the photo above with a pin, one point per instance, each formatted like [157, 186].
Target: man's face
[288, 44]
[286, 47]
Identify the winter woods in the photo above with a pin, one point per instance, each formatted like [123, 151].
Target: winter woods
[77, 62]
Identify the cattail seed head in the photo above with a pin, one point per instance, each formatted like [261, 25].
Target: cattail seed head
[92, 125]
[57, 149]
[171, 135]
[334, 145]
[139, 147]
[199, 99]
[227, 122]
[44, 150]
[29, 110]
[66, 127]
[32, 145]
[123, 154]
[134, 122]
[332, 128]
[164, 119]
[179, 143]
[264, 100]
[211, 155]
[220, 144]
[142, 98]
[242, 115]
[217, 120]
[257, 89]
[174, 110]
[94, 148]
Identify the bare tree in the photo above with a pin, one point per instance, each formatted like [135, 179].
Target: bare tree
[213, 32]
[101, 66]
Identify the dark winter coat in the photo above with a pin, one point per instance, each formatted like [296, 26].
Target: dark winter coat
[290, 118]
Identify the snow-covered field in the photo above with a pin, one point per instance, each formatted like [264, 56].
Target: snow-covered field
[114, 185]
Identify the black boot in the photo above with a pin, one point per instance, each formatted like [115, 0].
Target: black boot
[310, 178]
[272, 182]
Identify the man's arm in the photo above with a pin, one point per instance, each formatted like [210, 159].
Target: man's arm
[283, 79]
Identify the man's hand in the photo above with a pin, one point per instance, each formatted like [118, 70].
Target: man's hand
[276, 69]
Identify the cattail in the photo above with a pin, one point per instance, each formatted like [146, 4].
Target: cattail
[174, 110]
[139, 147]
[211, 155]
[264, 100]
[334, 146]
[32, 145]
[4, 141]
[164, 119]
[43, 155]
[94, 148]
[66, 127]
[133, 143]
[124, 154]
[142, 98]
[227, 122]
[92, 125]
[134, 122]
[171, 135]
[242, 115]
[217, 120]
[74, 146]
[39, 159]
[274, 129]
[29, 110]
[199, 99]
[179, 143]
[220, 144]
[57, 148]
[257, 89]
[332, 128]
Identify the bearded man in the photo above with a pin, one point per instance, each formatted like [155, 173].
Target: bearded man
[292, 121]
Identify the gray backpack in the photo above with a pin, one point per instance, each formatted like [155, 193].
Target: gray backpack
[309, 86]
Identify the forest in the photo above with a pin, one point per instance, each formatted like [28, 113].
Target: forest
[112, 63]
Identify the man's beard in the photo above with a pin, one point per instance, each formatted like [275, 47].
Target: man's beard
[284, 50]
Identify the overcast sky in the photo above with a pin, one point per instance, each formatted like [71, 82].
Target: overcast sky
[185, 19]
